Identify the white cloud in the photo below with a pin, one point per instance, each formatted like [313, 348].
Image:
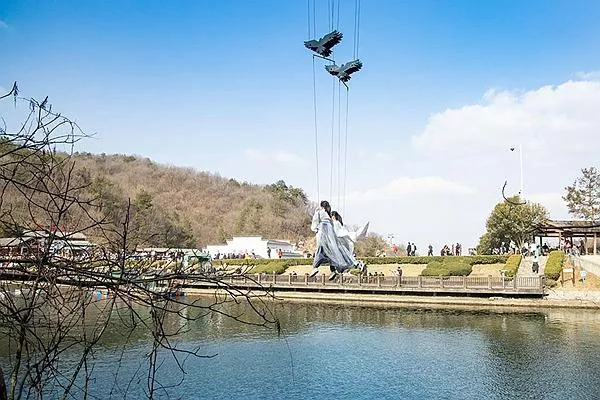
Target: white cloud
[564, 116]
[285, 157]
[453, 174]
[406, 186]
[553, 202]
[282, 157]
[588, 75]
[3, 25]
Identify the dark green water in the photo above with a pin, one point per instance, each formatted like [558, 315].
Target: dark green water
[337, 352]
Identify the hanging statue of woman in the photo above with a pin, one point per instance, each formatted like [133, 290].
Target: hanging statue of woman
[330, 250]
[347, 237]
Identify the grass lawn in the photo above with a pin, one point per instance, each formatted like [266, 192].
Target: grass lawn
[407, 269]
[592, 282]
[487, 269]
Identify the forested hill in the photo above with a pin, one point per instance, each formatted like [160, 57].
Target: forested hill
[184, 207]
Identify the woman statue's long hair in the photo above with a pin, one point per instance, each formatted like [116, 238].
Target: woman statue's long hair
[326, 206]
[336, 215]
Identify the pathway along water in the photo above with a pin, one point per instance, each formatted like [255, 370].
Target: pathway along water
[328, 351]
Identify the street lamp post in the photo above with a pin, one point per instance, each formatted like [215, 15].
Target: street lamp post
[521, 190]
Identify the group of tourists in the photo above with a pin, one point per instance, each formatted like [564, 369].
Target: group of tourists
[335, 243]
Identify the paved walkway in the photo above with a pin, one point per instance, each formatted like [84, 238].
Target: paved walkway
[527, 263]
[581, 295]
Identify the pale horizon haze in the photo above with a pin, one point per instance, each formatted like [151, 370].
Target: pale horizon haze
[446, 90]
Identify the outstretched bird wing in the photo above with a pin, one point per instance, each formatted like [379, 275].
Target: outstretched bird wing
[311, 45]
[352, 67]
[331, 39]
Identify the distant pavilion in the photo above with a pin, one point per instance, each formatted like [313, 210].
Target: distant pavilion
[572, 230]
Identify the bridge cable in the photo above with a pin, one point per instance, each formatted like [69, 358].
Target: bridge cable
[316, 127]
[345, 152]
[332, 138]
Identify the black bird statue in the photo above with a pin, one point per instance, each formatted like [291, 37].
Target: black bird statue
[324, 45]
[344, 71]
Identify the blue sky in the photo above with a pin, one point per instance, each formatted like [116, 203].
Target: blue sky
[226, 86]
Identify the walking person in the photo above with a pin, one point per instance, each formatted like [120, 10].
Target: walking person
[430, 251]
[329, 249]
[535, 265]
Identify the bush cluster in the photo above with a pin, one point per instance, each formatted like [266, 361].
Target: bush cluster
[287, 262]
[452, 265]
[274, 266]
[471, 260]
[512, 265]
[554, 264]
[448, 267]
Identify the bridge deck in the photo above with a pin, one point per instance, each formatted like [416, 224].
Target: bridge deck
[520, 286]
[457, 286]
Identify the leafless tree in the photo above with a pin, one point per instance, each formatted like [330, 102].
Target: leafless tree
[51, 324]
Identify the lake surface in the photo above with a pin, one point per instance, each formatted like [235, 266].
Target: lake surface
[338, 352]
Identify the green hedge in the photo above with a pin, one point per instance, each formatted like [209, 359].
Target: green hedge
[554, 264]
[274, 266]
[512, 265]
[447, 268]
[471, 260]
[435, 268]
[459, 264]
[288, 262]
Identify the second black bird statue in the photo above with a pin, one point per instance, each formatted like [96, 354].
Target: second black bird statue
[344, 71]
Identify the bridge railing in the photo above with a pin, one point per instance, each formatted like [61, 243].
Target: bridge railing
[412, 282]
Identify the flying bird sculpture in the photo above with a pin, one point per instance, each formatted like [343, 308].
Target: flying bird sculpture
[324, 45]
[344, 71]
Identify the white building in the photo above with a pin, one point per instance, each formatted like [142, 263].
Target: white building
[254, 244]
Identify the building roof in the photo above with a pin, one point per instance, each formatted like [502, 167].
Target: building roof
[58, 234]
[10, 242]
[278, 242]
[569, 228]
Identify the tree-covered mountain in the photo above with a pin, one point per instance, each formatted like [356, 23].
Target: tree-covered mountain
[177, 206]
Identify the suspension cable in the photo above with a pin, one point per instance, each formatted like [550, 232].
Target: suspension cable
[339, 146]
[316, 128]
[345, 151]
[308, 18]
[314, 18]
[337, 24]
[332, 138]
[357, 29]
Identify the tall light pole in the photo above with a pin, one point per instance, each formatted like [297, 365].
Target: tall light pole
[521, 191]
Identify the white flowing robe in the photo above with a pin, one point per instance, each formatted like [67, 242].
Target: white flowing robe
[347, 238]
[330, 249]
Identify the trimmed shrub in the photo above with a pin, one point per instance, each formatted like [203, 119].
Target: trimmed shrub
[554, 264]
[458, 268]
[471, 260]
[274, 266]
[435, 268]
[448, 268]
[460, 264]
[290, 262]
[512, 265]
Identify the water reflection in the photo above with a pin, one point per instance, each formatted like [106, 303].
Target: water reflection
[333, 351]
